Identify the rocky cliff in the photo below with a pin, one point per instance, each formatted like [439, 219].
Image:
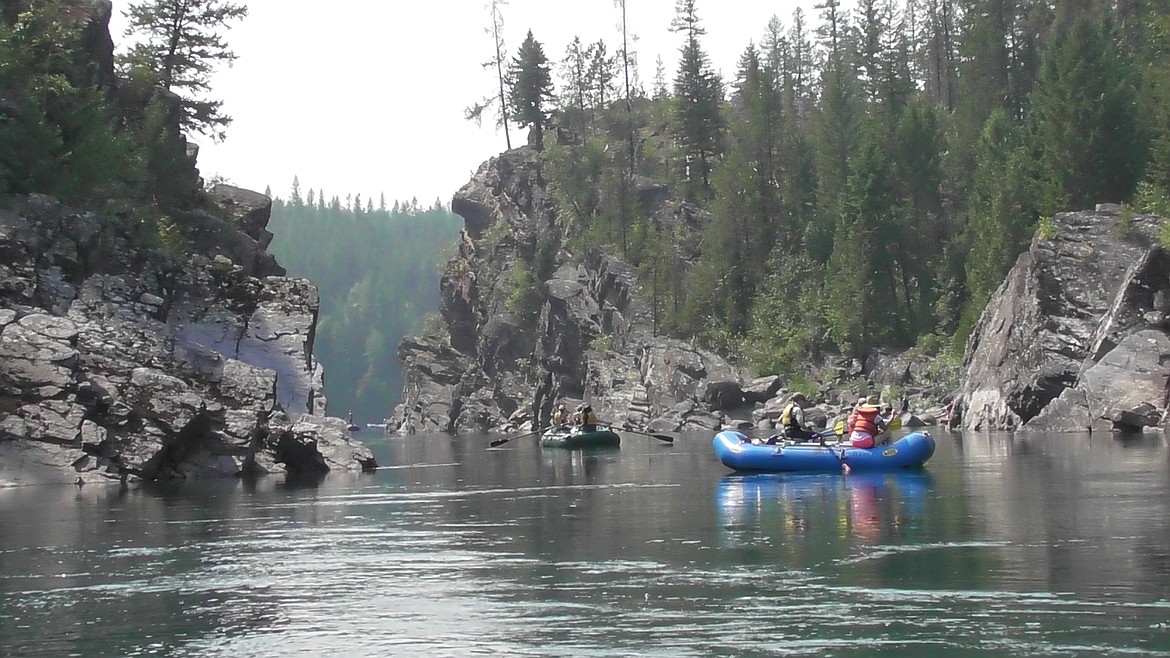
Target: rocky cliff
[591, 337]
[1076, 337]
[138, 344]
[121, 359]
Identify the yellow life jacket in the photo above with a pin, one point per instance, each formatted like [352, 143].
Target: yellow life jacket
[786, 418]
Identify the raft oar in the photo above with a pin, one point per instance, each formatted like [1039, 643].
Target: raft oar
[499, 442]
[661, 437]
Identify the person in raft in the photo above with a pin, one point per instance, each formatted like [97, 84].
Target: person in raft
[792, 420]
[588, 419]
[853, 414]
[867, 424]
[560, 415]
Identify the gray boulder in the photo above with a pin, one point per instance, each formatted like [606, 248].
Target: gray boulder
[1082, 311]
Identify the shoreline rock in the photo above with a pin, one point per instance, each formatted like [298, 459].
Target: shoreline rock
[121, 362]
[1076, 337]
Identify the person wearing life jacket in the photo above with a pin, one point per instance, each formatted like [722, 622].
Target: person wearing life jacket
[792, 419]
[853, 415]
[560, 415]
[867, 425]
[588, 419]
[578, 415]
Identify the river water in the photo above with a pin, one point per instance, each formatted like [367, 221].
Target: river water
[1003, 546]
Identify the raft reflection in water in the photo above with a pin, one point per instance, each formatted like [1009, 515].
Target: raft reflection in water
[859, 508]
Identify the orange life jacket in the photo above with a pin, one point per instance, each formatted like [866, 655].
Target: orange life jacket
[865, 419]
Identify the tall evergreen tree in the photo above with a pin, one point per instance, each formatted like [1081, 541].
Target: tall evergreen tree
[797, 74]
[181, 44]
[531, 85]
[698, 94]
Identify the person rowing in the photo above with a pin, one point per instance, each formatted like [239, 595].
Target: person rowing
[792, 421]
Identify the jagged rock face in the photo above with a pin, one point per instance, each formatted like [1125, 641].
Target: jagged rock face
[592, 339]
[118, 361]
[1076, 335]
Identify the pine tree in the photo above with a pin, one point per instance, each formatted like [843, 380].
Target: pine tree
[531, 87]
[797, 74]
[698, 93]
[181, 44]
[659, 86]
[295, 195]
[835, 129]
[917, 150]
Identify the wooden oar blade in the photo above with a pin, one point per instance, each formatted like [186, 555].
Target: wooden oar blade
[498, 442]
[663, 437]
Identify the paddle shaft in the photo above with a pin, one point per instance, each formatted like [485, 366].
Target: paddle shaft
[499, 442]
[661, 437]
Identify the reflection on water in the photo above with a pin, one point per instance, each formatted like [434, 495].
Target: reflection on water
[1004, 546]
[862, 508]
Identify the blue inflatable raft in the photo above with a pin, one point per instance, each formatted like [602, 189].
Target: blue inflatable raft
[737, 452]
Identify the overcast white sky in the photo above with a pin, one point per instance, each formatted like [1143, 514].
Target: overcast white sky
[367, 96]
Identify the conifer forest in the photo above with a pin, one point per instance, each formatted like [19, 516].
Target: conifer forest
[866, 176]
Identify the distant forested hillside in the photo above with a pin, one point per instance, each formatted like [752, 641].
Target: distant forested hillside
[377, 271]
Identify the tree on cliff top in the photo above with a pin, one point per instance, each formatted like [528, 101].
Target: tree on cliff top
[181, 45]
[531, 83]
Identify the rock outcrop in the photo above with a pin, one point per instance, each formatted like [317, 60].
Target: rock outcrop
[124, 358]
[1076, 337]
[501, 366]
[141, 344]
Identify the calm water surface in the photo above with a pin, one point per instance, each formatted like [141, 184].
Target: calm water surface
[1004, 546]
